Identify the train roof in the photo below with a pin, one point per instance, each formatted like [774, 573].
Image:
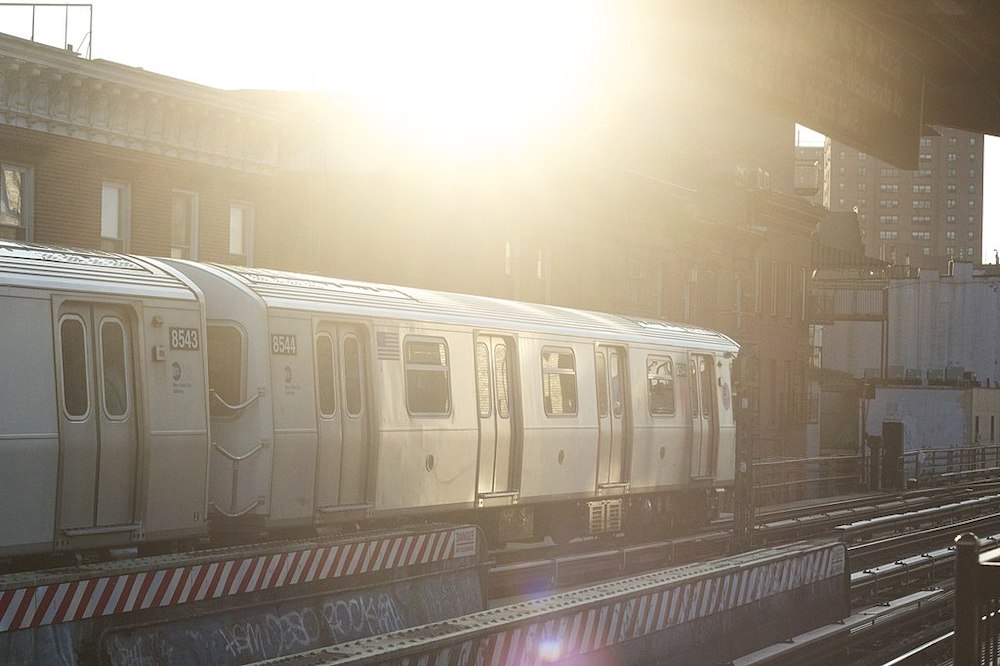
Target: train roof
[93, 271]
[323, 294]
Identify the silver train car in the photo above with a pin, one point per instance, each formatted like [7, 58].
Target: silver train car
[104, 438]
[335, 403]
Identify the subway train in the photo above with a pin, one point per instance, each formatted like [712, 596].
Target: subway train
[161, 400]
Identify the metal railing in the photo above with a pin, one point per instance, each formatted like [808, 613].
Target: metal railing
[948, 465]
[783, 480]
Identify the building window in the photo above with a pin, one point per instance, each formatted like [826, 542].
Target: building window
[950, 203]
[16, 198]
[921, 203]
[926, 157]
[949, 235]
[888, 203]
[922, 189]
[862, 171]
[758, 286]
[920, 235]
[972, 157]
[888, 187]
[923, 173]
[862, 187]
[972, 235]
[972, 203]
[115, 216]
[921, 219]
[972, 142]
[660, 384]
[241, 233]
[951, 188]
[950, 219]
[559, 382]
[952, 173]
[774, 287]
[952, 157]
[925, 142]
[428, 385]
[888, 219]
[888, 235]
[926, 251]
[184, 225]
[972, 189]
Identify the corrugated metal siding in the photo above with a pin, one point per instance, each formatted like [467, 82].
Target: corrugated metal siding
[310, 292]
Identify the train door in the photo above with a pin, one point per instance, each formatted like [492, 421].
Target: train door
[495, 356]
[612, 410]
[701, 382]
[343, 428]
[99, 443]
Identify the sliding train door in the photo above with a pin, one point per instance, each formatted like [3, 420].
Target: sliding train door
[704, 421]
[612, 412]
[99, 434]
[495, 361]
[343, 423]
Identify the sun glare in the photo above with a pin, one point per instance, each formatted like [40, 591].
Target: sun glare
[467, 79]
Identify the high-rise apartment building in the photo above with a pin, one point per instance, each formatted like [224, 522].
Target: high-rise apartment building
[921, 218]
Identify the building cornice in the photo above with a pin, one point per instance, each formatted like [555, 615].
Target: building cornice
[56, 92]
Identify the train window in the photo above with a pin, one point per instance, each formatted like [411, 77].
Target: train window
[559, 382]
[660, 381]
[616, 384]
[76, 389]
[114, 364]
[483, 397]
[225, 366]
[352, 376]
[326, 375]
[503, 386]
[706, 388]
[428, 391]
[602, 384]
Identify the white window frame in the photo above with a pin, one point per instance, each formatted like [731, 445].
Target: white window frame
[246, 233]
[119, 243]
[192, 247]
[26, 229]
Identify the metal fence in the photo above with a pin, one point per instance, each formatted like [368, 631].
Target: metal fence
[977, 603]
[948, 465]
[784, 480]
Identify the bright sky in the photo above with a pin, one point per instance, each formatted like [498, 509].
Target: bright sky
[460, 71]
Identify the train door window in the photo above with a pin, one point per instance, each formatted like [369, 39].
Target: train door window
[693, 388]
[115, 212]
[183, 225]
[660, 383]
[352, 376]
[503, 386]
[483, 397]
[706, 387]
[114, 369]
[616, 384]
[428, 383]
[73, 354]
[225, 365]
[326, 375]
[602, 384]
[559, 382]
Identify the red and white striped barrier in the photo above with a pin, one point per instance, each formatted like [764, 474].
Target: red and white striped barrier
[98, 596]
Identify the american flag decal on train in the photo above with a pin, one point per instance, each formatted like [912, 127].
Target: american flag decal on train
[85, 598]
[387, 345]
